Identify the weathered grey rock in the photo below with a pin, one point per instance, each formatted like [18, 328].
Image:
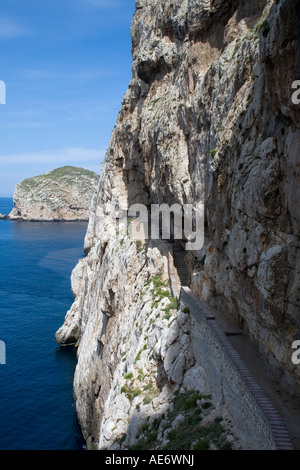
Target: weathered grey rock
[195, 379]
[207, 117]
[64, 194]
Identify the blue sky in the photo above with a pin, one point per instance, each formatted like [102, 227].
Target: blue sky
[66, 65]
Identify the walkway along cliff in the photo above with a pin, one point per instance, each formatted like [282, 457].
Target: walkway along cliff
[209, 117]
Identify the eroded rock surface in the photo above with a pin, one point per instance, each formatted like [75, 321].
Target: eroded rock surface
[207, 117]
[63, 194]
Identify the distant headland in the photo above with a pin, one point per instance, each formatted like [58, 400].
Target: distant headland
[63, 194]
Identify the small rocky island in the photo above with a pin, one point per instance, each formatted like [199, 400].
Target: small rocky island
[63, 194]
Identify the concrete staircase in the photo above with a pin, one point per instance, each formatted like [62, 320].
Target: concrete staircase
[179, 257]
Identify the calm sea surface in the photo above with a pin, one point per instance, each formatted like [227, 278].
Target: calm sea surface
[37, 410]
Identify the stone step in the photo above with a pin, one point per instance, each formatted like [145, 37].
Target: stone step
[179, 257]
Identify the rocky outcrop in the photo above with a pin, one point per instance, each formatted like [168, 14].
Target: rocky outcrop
[63, 194]
[207, 117]
[135, 354]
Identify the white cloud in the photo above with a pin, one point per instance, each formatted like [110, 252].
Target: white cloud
[10, 29]
[105, 72]
[31, 124]
[70, 155]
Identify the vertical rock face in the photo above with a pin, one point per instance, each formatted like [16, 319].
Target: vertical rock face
[208, 116]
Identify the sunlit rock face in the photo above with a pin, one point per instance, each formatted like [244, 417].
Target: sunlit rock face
[63, 194]
[208, 117]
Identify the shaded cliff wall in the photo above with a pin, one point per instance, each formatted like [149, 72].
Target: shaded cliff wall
[250, 266]
[207, 117]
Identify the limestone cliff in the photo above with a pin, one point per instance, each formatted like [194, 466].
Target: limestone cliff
[63, 194]
[208, 117]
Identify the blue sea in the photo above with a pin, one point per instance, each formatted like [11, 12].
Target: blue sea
[37, 410]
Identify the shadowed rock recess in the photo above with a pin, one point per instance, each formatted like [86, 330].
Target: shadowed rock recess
[208, 117]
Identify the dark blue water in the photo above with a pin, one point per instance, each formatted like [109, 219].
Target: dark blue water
[36, 384]
[6, 205]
